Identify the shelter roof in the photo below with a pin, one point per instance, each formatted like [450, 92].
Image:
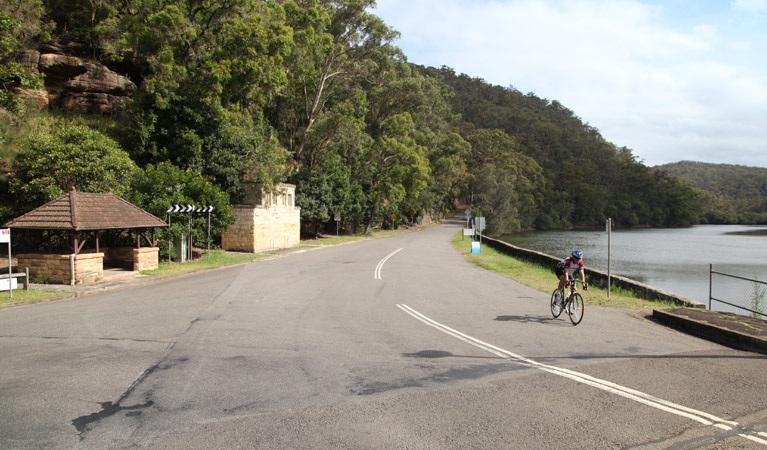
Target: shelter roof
[83, 211]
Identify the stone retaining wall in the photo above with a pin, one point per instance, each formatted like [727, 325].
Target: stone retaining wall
[596, 277]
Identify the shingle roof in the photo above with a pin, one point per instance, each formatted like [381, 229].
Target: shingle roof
[83, 211]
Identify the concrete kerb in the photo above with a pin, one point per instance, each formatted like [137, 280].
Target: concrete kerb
[720, 335]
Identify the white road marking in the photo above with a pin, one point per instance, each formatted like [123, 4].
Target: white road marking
[641, 397]
[377, 273]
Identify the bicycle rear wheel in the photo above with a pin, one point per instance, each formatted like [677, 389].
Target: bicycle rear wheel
[575, 308]
[556, 310]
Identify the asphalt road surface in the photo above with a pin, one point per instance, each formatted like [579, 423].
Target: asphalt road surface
[388, 343]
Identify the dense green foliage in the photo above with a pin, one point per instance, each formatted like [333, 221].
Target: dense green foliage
[69, 157]
[314, 92]
[732, 194]
[12, 74]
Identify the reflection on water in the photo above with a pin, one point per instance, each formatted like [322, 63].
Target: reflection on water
[673, 259]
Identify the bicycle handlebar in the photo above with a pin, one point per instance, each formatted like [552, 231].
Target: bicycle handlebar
[576, 280]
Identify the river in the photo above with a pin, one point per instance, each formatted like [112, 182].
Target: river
[673, 259]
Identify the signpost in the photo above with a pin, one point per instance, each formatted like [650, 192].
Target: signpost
[190, 209]
[207, 209]
[337, 219]
[5, 237]
[479, 222]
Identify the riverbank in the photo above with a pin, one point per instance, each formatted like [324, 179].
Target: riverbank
[539, 276]
[732, 330]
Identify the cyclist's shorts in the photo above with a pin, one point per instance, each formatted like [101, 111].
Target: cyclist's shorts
[560, 270]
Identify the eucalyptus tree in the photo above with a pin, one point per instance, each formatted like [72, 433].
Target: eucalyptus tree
[337, 43]
[396, 165]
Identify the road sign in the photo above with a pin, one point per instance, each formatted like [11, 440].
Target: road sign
[5, 235]
[338, 217]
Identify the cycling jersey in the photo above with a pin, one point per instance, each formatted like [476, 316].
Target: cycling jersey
[570, 265]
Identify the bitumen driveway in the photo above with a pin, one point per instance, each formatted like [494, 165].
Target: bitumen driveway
[732, 330]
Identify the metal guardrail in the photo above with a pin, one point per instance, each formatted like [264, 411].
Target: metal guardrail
[734, 288]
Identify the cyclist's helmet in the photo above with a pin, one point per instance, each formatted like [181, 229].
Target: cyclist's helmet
[577, 254]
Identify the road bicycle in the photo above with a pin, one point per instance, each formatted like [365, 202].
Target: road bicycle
[573, 304]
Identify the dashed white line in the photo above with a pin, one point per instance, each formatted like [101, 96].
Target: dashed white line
[641, 397]
[377, 272]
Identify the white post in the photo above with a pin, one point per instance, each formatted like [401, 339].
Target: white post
[170, 238]
[609, 237]
[210, 208]
[10, 265]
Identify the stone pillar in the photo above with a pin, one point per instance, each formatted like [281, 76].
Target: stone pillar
[267, 222]
[146, 258]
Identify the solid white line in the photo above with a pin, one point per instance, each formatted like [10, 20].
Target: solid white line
[641, 397]
[377, 273]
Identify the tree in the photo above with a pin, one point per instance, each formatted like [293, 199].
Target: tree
[158, 187]
[336, 41]
[12, 74]
[29, 16]
[497, 199]
[70, 156]
[211, 68]
[397, 165]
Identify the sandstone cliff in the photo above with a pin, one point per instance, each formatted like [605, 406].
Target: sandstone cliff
[74, 82]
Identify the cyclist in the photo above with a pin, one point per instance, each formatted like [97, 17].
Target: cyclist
[566, 269]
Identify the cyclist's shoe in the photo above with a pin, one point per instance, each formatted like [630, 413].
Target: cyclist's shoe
[557, 299]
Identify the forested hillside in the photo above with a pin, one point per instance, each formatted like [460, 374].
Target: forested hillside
[732, 193]
[311, 92]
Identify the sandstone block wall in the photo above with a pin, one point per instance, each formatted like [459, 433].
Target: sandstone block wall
[54, 268]
[118, 257]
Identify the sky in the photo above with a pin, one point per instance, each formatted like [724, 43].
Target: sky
[671, 80]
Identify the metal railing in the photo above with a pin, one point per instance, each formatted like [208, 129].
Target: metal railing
[747, 294]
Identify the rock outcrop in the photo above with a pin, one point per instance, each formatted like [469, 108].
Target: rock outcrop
[75, 82]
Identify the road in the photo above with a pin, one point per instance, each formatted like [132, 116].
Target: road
[395, 342]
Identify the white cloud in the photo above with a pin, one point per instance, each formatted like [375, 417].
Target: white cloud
[666, 91]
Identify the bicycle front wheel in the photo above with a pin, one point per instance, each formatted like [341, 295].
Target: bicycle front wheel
[556, 310]
[575, 308]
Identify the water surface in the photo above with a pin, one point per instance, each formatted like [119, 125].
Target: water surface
[673, 259]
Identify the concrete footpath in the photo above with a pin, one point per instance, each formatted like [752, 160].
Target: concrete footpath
[736, 331]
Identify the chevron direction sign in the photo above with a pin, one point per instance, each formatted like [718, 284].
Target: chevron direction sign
[205, 209]
[181, 209]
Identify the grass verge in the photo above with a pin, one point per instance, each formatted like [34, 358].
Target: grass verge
[21, 295]
[217, 258]
[543, 279]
